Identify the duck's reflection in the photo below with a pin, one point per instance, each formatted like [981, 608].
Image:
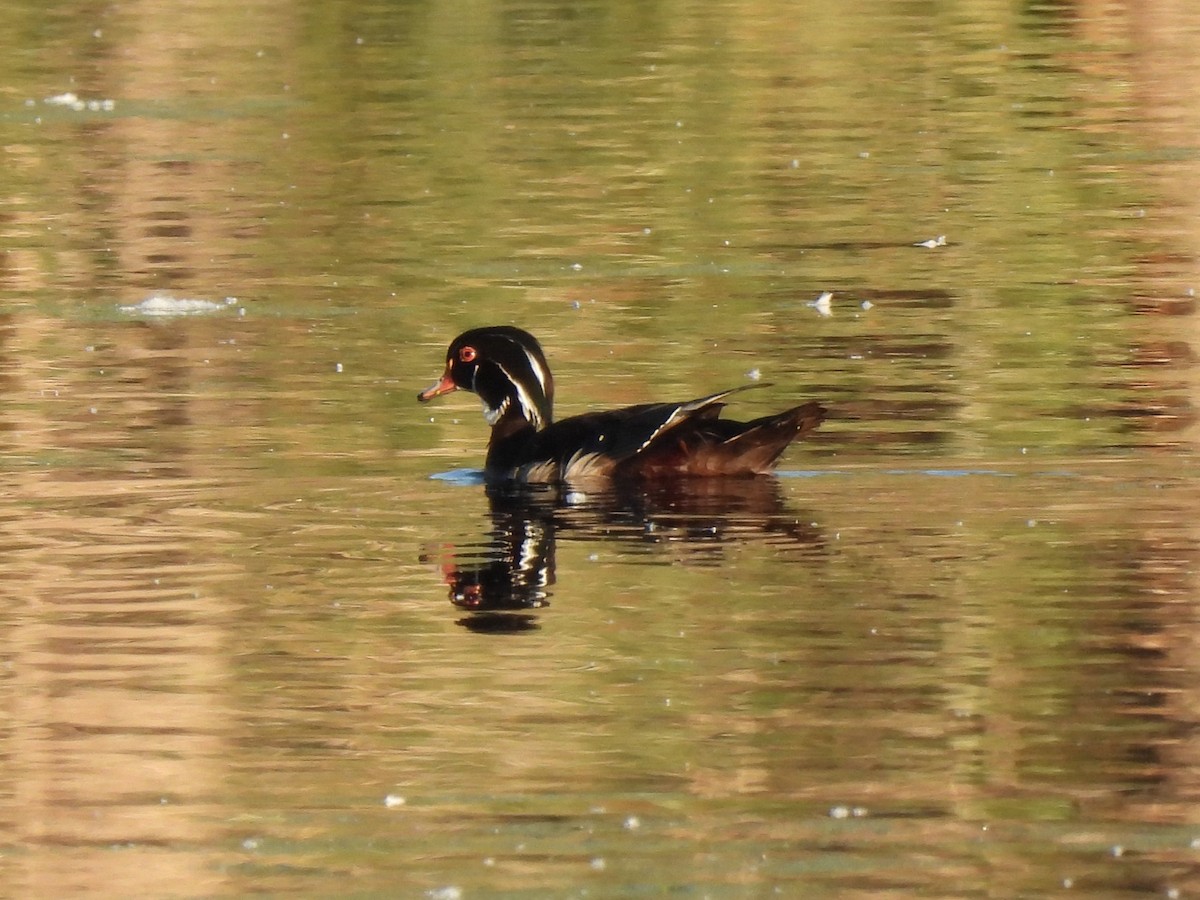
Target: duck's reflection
[506, 578]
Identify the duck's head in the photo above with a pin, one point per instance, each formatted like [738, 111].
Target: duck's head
[505, 366]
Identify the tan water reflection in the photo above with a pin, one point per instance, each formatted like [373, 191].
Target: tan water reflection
[115, 654]
[115, 618]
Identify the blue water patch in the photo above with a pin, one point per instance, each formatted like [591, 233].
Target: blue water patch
[808, 473]
[932, 473]
[460, 477]
[951, 473]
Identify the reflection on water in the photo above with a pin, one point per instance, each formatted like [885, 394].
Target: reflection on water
[687, 522]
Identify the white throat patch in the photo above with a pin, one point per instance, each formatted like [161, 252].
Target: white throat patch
[492, 414]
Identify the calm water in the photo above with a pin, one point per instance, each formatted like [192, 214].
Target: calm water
[266, 634]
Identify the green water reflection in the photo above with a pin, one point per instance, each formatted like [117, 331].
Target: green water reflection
[949, 651]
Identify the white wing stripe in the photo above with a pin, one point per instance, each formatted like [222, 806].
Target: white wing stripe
[660, 429]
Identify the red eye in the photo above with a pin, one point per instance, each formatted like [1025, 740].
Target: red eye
[467, 354]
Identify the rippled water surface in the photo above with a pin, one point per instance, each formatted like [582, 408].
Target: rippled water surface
[265, 631]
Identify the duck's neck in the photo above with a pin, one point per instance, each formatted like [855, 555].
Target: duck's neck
[516, 414]
[510, 406]
[512, 438]
[509, 423]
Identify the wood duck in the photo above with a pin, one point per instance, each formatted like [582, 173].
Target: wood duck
[505, 366]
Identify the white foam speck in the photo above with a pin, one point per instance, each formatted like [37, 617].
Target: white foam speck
[823, 304]
[161, 304]
[73, 101]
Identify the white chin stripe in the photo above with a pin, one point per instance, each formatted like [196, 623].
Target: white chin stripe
[493, 414]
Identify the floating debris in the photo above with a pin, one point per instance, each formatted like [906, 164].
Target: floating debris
[846, 812]
[939, 241]
[754, 374]
[394, 801]
[71, 100]
[159, 304]
[823, 304]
